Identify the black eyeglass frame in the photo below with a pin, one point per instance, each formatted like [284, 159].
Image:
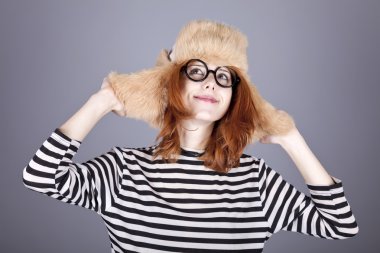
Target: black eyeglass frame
[234, 76]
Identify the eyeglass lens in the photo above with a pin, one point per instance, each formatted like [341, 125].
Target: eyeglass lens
[198, 71]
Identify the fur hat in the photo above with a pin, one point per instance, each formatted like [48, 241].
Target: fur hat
[144, 93]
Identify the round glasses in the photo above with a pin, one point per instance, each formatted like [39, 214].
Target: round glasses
[197, 71]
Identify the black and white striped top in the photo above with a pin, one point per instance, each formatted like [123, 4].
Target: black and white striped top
[152, 206]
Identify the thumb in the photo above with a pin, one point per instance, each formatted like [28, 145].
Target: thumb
[265, 139]
[105, 83]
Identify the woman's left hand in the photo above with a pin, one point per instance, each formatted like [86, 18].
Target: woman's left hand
[307, 163]
[281, 139]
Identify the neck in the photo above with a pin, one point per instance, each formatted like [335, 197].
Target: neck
[194, 134]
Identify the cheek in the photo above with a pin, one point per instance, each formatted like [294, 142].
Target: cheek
[187, 91]
[184, 90]
[227, 98]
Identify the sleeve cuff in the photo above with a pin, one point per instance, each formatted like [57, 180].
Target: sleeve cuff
[323, 189]
[64, 136]
[64, 139]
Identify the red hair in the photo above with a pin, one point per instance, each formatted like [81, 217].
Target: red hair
[230, 134]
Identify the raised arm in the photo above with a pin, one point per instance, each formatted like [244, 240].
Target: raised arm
[97, 106]
[326, 213]
[307, 163]
[51, 170]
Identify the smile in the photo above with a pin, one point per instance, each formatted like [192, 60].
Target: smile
[206, 99]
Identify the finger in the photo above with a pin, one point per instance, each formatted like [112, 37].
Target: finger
[264, 139]
[105, 83]
[120, 113]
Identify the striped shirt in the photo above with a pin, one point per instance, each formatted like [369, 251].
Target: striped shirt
[152, 206]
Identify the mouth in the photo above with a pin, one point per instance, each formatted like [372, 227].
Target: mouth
[208, 99]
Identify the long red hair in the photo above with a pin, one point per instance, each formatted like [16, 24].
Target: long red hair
[230, 134]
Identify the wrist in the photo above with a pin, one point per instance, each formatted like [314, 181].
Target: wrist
[292, 140]
[99, 105]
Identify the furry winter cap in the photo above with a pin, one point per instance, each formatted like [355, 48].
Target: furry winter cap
[144, 93]
[211, 41]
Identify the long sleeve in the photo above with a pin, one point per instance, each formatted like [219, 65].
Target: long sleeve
[325, 214]
[91, 184]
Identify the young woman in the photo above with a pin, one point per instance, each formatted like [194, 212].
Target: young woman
[195, 191]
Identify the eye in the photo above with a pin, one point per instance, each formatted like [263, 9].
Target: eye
[223, 76]
[196, 72]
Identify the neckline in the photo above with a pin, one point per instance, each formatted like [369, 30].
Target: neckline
[192, 152]
[193, 149]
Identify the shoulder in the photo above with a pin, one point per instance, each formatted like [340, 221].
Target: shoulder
[136, 152]
[250, 159]
[147, 149]
[258, 164]
[250, 162]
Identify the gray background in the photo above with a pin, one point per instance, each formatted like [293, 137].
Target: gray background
[318, 60]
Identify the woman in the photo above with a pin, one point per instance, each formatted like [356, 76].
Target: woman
[195, 191]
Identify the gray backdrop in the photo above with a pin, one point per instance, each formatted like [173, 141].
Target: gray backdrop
[318, 60]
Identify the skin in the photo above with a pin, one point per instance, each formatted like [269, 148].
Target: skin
[197, 130]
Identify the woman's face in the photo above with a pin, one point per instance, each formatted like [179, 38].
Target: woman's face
[206, 99]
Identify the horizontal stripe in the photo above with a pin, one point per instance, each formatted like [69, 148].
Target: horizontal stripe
[149, 205]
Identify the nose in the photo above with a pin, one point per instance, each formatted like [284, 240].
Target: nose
[209, 82]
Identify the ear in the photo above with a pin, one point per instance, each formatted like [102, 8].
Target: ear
[270, 121]
[143, 93]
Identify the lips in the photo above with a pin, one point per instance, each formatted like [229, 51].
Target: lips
[206, 98]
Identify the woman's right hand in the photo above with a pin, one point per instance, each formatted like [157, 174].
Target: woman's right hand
[98, 105]
[106, 97]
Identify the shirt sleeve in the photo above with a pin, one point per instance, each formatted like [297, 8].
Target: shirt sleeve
[91, 184]
[326, 213]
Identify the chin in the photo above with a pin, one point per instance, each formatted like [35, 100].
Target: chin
[207, 116]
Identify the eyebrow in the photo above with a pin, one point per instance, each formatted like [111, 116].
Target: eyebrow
[201, 65]
[227, 71]
[198, 65]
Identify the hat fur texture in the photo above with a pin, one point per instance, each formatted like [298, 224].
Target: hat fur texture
[144, 93]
